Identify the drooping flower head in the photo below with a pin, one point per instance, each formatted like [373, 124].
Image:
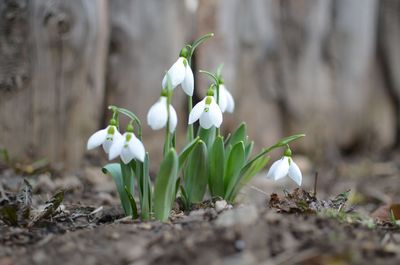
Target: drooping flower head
[105, 137]
[226, 101]
[208, 112]
[181, 74]
[157, 116]
[128, 147]
[285, 167]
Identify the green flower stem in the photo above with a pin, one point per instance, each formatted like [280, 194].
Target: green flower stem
[130, 115]
[218, 132]
[190, 126]
[167, 143]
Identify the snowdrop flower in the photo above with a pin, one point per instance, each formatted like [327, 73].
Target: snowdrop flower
[226, 102]
[128, 147]
[285, 167]
[180, 73]
[157, 116]
[208, 112]
[105, 137]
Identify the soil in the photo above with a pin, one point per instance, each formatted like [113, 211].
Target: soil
[294, 227]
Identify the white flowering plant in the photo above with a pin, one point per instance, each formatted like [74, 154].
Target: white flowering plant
[208, 161]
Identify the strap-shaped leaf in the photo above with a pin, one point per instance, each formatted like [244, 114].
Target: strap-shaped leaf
[132, 203]
[216, 170]
[196, 178]
[248, 149]
[186, 152]
[207, 135]
[246, 175]
[146, 198]
[114, 170]
[164, 193]
[234, 163]
[240, 134]
[280, 143]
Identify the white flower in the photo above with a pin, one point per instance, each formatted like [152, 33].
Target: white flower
[285, 167]
[157, 116]
[180, 73]
[208, 112]
[105, 137]
[226, 102]
[128, 147]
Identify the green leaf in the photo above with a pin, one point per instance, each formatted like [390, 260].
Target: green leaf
[246, 175]
[185, 198]
[217, 163]
[248, 149]
[286, 140]
[282, 142]
[207, 135]
[186, 152]
[164, 193]
[234, 163]
[240, 134]
[132, 203]
[114, 170]
[146, 198]
[196, 178]
[127, 177]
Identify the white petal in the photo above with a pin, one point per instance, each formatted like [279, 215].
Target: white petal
[126, 155]
[137, 148]
[223, 100]
[97, 139]
[215, 114]
[176, 73]
[295, 173]
[110, 139]
[279, 169]
[188, 82]
[206, 120]
[173, 119]
[197, 111]
[116, 147]
[157, 115]
[230, 106]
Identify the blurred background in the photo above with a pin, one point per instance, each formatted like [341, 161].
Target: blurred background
[330, 69]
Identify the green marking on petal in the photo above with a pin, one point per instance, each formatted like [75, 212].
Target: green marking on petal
[208, 100]
[111, 130]
[128, 137]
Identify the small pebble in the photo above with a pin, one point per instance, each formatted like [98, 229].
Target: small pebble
[221, 205]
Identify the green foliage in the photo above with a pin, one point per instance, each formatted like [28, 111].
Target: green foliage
[117, 171]
[196, 178]
[216, 161]
[224, 165]
[164, 193]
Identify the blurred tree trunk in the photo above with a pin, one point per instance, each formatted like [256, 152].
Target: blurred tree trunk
[389, 53]
[304, 66]
[52, 56]
[145, 40]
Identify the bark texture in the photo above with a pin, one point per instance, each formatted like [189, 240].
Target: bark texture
[326, 68]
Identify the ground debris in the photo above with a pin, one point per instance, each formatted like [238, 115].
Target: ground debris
[15, 209]
[49, 209]
[301, 201]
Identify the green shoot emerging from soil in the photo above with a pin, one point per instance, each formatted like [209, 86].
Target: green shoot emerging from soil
[208, 161]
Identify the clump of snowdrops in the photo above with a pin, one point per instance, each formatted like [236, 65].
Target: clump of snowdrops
[208, 161]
